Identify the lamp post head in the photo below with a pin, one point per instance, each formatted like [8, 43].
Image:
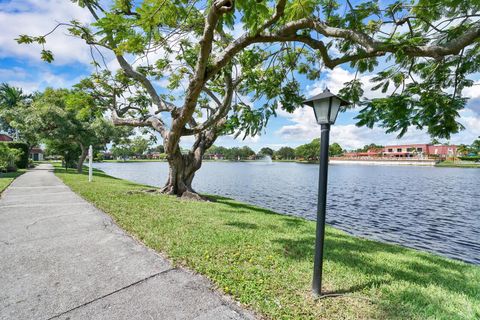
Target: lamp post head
[326, 106]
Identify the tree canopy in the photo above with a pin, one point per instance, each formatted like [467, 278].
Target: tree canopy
[13, 105]
[285, 153]
[186, 67]
[67, 121]
[266, 151]
[335, 149]
[309, 151]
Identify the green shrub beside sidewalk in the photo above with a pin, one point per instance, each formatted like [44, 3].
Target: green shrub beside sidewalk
[7, 178]
[18, 151]
[264, 260]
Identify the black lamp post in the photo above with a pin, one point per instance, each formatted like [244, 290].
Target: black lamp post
[326, 106]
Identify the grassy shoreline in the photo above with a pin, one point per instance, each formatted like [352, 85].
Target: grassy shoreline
[7, 178]
[264, 259]
[451, 164]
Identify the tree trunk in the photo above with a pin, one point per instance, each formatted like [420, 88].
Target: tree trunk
[182, 167]
[82, 158]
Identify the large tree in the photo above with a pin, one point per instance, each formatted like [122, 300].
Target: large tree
[139, 146]
[309, 151]
[285, 153]
[12, 100]
[427, 48]
[67, 121]
[335, 149]
[266, 151]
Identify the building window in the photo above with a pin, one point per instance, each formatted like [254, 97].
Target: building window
[399, 149]
[419, 149]
[390, 150]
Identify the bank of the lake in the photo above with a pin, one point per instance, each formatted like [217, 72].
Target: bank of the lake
[133, 160]
[422, 207]
[452, 164]
[8, 177]
[264, 259]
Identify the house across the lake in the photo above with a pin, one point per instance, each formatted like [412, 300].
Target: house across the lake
[213, 156]
[419, 151]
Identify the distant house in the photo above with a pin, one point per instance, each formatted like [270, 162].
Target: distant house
[5, 137]
[36, 154]
[419, 150]
[371, 153]
[154, 155]
[407, 151]
[214, 156]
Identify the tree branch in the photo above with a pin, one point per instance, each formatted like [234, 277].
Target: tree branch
[151, 122]
[371, 47]
[161, 105]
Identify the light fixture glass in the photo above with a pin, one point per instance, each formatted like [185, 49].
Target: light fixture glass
[326, 106]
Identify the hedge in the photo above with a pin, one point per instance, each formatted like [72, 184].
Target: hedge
[22, 163]
[470, 158]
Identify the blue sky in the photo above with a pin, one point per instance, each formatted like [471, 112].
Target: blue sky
[21, 66]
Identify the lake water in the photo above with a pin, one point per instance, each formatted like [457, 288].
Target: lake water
[432, 209]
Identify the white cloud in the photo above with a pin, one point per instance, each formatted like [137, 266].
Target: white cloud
[472, 92]
[38, 80]
[33, 17]
[304, 128]
[335, 79]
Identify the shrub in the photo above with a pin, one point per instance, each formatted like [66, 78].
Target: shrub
[8, 157]
[99, 157]
[471, 158]
[22, 161]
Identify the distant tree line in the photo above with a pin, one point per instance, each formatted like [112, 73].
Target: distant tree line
[470, 152]
[308, 152]
[235, 153]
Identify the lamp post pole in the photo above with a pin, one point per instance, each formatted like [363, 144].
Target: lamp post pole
[322, 203]
[326, 107]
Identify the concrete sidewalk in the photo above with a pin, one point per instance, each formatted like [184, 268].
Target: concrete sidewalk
[61, 258]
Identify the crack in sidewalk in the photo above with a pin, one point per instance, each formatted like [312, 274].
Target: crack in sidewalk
[111, 293]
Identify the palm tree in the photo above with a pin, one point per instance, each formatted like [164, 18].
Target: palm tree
[463, 150]
[10, 97]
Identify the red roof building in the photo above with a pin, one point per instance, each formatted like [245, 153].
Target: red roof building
[419, 150]
[407, 151]
[4, 137]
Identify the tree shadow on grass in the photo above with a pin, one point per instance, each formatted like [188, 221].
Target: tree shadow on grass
[409, 268]
[238, 205]
[242, 225]
[248, 208]
[10, 174]
[416, 268]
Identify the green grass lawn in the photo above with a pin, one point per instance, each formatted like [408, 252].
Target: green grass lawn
[452, 164]
[7, 178]
[264, 260]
